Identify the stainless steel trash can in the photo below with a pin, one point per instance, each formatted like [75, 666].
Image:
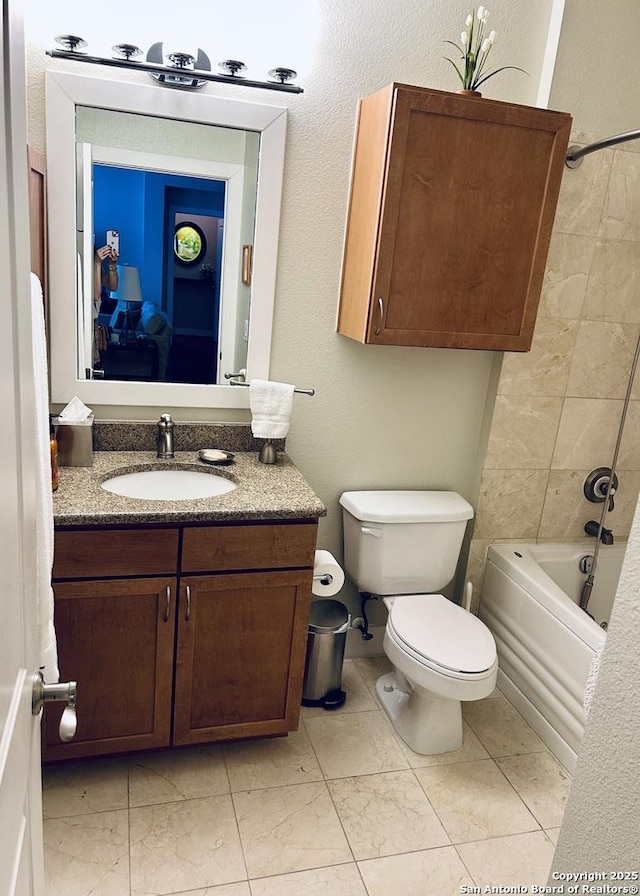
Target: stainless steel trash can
[328, 625]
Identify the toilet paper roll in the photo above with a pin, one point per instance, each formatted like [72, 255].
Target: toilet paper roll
[328, 576]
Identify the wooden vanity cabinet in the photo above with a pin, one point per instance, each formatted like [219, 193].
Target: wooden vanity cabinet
[116, 639]
[115, 609]
[450, 217]
[242, 632]
[180, 635]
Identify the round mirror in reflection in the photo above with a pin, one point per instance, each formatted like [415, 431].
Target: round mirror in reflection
[189, 244]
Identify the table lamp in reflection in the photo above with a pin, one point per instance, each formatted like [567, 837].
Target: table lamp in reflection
[129, 298]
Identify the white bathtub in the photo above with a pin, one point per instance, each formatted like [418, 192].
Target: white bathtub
[545, 642]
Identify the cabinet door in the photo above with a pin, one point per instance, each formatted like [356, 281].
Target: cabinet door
[464, 220]
[240, 654]
[116, 639]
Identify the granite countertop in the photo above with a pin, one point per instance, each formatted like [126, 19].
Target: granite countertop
[263, 492]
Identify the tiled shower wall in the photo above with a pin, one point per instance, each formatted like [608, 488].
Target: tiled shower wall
[558, 406]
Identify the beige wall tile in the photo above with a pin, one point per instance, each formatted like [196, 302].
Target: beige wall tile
[582, 195]
[614, 283]
[510, 503]
[621, 214]
[566, 509]
[566, 275]
[624, 504]
[602, 360]
[629, 458]
[523, 432]
[545, 369]
[587, 433]
[475, 568]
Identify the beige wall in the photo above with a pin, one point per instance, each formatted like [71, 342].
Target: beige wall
[559, 406]
[382, 416]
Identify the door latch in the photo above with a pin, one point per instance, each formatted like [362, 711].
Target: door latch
[49, 693]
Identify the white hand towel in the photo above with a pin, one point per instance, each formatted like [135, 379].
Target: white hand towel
[271, 405]
[44, 530]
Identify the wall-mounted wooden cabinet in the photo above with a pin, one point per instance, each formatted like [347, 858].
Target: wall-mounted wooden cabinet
[450, 217]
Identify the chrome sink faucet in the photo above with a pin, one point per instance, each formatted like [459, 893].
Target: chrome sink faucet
[165, 436]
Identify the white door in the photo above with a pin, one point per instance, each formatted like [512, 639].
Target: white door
[21, 870]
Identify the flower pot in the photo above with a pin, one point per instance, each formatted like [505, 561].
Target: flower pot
[469, 92]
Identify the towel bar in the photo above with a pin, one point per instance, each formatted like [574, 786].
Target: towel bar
[300, 391]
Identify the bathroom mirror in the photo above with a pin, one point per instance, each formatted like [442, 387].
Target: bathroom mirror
[234, 149]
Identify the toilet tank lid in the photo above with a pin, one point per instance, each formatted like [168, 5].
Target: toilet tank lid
[406, 506]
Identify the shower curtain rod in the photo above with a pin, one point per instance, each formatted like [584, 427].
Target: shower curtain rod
[575, 154]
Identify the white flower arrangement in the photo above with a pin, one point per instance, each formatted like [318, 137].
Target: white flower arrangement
[474, 49]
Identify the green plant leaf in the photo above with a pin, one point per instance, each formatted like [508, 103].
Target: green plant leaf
[459, 74]
[457, 46]
[495, 72]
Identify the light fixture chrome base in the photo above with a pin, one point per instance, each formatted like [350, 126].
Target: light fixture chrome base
[185, 72]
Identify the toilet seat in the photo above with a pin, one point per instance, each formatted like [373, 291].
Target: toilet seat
[442, 635]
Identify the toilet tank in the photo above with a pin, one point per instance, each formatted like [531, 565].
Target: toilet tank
[403, 542]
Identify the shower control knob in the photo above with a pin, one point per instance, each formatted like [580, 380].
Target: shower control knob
[598, 486]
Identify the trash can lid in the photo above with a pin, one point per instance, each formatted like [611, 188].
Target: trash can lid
[327, 615]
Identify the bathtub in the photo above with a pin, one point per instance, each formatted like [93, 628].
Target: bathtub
[530, 601]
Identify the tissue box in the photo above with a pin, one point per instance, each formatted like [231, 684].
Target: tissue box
[75, 442]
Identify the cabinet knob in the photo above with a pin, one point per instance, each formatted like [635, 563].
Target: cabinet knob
[378, 329]
[49, 693]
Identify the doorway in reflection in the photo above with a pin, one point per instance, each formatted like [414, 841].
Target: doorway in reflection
[171, 228]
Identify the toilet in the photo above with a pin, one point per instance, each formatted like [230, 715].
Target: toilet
[404, 546]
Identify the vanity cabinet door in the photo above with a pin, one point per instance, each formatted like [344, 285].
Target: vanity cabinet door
[240, 654]
[450, 217]
[116, 639]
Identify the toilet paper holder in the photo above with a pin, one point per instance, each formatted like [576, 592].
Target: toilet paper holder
[324, 578]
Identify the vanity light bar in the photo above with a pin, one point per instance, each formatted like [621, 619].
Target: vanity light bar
[177, 75]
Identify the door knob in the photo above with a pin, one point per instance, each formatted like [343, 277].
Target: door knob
[48, 693]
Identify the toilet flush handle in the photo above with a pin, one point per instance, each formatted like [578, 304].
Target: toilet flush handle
[367, 530]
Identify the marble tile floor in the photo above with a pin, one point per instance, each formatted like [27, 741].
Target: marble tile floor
[339, 808]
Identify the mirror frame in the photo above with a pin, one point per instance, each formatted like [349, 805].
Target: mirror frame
[63, 93]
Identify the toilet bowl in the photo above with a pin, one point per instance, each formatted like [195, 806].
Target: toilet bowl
[441, 655]
[404, 547]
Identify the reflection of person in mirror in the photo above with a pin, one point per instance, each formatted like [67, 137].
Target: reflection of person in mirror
[105, 281]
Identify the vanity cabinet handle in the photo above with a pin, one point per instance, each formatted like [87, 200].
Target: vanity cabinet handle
[167, 608]
[187, 614]
[378, 329]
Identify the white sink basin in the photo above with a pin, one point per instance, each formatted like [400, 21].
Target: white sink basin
[168, 485]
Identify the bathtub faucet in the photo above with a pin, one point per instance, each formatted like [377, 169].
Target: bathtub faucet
[592, 527]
